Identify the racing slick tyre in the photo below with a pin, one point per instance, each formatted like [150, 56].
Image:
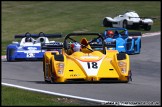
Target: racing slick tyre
[107, 23]
[136, 26]
[129, 77]
[147, 27]
[125, 24]
[47, 81]
[140, 46]
[8, 55]
[44, 69]
[43, 63]
[51, 72]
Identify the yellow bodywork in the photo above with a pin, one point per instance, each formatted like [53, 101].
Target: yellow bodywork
[85, 66]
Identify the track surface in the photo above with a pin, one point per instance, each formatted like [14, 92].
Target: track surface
[144, 87]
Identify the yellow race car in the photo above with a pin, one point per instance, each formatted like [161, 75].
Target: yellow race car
[82, 59]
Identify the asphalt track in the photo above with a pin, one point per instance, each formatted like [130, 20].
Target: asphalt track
[144, 89]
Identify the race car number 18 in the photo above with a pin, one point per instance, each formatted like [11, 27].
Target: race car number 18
[92, 65]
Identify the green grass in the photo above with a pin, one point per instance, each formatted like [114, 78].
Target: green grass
[18, 97]
[19, 17]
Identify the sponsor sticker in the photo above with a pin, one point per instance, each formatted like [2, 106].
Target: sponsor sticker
[32, 48]
[89, 57]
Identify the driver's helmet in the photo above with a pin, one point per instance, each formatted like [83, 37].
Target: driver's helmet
[75, 47]
[28, 39]
[110, 33]
[42, 40]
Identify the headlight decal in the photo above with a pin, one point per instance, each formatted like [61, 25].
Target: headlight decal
[123, 66]
[60, 68]
[60, 65]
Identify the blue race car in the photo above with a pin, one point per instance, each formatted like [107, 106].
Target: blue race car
[123, 41]
[29, 48]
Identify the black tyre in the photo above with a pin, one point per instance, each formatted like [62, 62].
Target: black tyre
[129, 44]
[47, 81]
[44, 70]
[106, 23]
[43, 63]
[140, 44]
[147, 27]
[136, 26]
[52, 74]
[129, 77]
[8, 55]
[125, 24]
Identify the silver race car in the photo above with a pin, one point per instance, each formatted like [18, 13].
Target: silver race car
[129, 19]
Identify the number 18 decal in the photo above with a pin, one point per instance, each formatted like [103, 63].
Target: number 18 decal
[92, 65]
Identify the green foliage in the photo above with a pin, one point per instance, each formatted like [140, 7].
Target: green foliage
[18, 97]
[19, 17]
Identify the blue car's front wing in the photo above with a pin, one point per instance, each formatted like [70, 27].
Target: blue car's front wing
[26, 56]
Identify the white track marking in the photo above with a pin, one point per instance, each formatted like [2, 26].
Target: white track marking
[3, 57]
[151, 34]
[103, 102]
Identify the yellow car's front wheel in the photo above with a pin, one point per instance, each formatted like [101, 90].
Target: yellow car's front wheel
[51, 73]
[129, 78]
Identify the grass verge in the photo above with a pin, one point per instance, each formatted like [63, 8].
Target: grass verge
[17, 97]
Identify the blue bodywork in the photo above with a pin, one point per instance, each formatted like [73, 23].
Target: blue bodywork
[16, 52]
[124, 41]
[27, 51]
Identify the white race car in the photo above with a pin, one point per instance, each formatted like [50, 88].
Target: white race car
[29, 48]
[130, 19]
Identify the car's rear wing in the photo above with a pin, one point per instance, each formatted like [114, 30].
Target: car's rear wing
[123, 32]
[107, 44]
[144, 17]
[132, 34]
[41, 34]
[55, 45]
